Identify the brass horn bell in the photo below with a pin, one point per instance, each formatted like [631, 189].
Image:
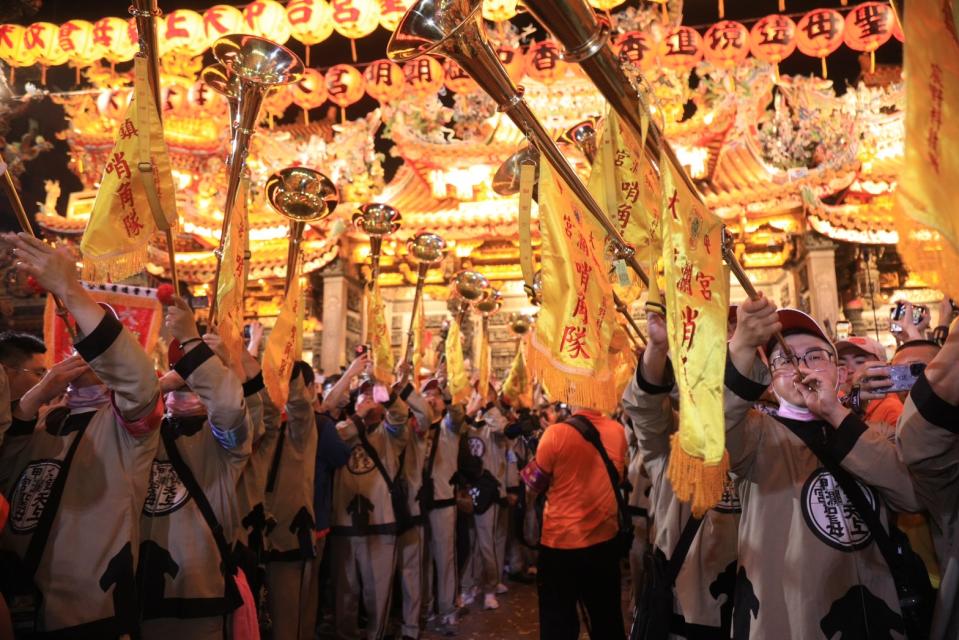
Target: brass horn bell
[302, 195]
[426, 248]
[506, 178]
[490, 303]
[470, 285]
[583, 137]
[520, 323]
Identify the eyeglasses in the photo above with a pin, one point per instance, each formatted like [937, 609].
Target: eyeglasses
[37, 372]
[814, 359]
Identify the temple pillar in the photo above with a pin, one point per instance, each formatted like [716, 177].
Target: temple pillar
[342, 318]
[817, 287]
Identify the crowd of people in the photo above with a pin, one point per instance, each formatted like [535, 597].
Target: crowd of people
[184, 503]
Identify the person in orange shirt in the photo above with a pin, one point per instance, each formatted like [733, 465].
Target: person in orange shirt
[865, 360]
[580, 552]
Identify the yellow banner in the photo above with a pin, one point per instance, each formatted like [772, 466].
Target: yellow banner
[420, 360]
[568, 347]
[929, 232]
[229, 320]
[280, 352]
[518, 388]
[626, 186]
[697, 300]
[380, 344]
[459, 381]
[115, 241]
[485, 357]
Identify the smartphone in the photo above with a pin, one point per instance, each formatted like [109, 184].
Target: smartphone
[361, 349]
[246, 332]
[904, 376]
[843, 329]
[895, 315]
[918, 313]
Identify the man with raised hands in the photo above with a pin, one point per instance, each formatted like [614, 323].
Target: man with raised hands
[186, 575]
[817, 554]
[929, 442]
[81, 473]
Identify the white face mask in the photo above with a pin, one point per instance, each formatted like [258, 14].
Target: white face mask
[792, 411]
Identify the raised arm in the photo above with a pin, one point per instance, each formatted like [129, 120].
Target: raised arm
[341, 389]
[299, 407]
[111, 351]
[645, 399]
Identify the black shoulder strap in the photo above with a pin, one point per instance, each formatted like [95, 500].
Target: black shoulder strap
[682, 548]
[186, 476]
[591, 435]
[374, 457]
[34, 552]
[431, 460]
[275, 463]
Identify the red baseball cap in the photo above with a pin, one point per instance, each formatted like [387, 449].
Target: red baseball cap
[795, 322]
[869, 346]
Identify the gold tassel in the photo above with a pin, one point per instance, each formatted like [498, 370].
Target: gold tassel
[722, 9]
[693, 480]
[872, 61]
[825, 72]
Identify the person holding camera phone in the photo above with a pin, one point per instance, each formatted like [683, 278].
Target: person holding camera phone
[868, 380]
[928, 442]
[909, 322]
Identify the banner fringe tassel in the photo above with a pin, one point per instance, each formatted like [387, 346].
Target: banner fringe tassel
[694, 481]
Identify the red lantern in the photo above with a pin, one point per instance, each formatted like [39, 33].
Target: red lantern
[355, 19]
[424, 75]
[682, 49]
[457, 80]
[42, 38]
[221, 20]
[392, 11]
[76, 39]
[204, 99]
[384, 81]
[113, 103]
[636, 48]
[897, 30]
[344, 85]
[773, 38]
[267, 19]
[819, 33]
[309, 91]
[112, 35]
[726, 43]
[545, 62]
[175, 95]
[311, 20]
[869, 26]
[512, 60]
[182, 31]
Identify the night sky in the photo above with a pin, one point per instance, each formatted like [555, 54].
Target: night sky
[843, 69]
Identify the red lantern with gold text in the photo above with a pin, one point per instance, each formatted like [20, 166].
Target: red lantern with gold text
[726, 43]
[41, 41]
[220, 20]
[819, 33]
[392, 11]
[309, 91]
[457, 80]
[311, 22]
[544, 62]
[424, 75]
[868, 27]
[682, 49]
[355, 19]
[344, 86]
[113, 36]
[267, 19]
[499, 10]
[773, 38]
[183, 32]
[636, 48]
[384, 81]
[512, 59]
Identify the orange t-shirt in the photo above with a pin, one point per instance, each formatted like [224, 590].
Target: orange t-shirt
[580, 505]
[885, 410]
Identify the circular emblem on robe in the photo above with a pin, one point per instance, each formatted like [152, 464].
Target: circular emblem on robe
[359, 463]
[830, 514]
[166, 492]
[729, 503]
[31, 493]
[477, 446]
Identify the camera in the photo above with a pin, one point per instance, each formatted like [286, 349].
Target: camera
[361, 349]
[897, 315]
[904, 376]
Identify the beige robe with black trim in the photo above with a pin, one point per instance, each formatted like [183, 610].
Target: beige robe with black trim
[179, 558]
[929, 442]
[86, 574]
[809, 567]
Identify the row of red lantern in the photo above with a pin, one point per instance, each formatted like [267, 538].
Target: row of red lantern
[772, 39]
[187, 32]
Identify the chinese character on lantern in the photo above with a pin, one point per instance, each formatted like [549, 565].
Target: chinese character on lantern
[424, 75]
[384, 81]
[682, 49]
[819, 33]
[344, 85]
[545, 62]
[868, 26]
[773, 38]
[636, 48]
[727, 43]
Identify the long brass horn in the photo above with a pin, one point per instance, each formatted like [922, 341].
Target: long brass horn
[454, 28]
[219, 79]
[426, 250]
[259, 65]
[302, 195]
[506, 178]
[585, 37]
[376, 220]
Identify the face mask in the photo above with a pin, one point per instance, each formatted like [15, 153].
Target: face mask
[793, 412]
[381, 393]
[92, 397]
[184, 403]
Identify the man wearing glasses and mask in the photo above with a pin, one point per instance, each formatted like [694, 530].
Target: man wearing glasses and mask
[812, 564]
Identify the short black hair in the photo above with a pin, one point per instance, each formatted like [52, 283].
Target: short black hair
[302, 367]
[329, 381]
[918, 343]
[16, 347]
